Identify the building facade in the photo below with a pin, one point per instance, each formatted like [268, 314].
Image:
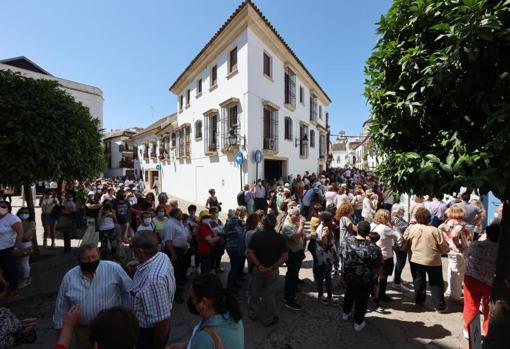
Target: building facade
[90, 96]
[121, 153]
[246, 91]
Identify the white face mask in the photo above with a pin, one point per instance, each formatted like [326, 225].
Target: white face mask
[147, 221]
[206, 221]
[24, 216]
[3, 211]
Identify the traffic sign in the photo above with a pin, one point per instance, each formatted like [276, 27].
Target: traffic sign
[158, 167]
[258, 156]
[239, 158]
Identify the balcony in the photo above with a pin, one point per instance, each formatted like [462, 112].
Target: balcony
[126, 163]
[271, 145]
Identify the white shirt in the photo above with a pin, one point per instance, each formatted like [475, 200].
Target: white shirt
[175, 231]
[388, 236]
[331, 198]
[260, 192]
[7, 233]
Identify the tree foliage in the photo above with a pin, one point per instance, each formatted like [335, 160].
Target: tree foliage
[45, 133]
[438, 84]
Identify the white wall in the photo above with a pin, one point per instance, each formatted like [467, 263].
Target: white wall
[90, 96]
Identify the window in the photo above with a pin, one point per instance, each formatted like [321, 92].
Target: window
[199, 87]
[290, 87]
[270, 117]
[267, 65]
[214, 76]
[313, 107]
[232, 64]
[181, 102]
[198, 130]
[322, 146]
[320, 112]
[288, 128]
[173, 142]
[312, 139]
[188, 96]
[211, 133]
[229, 124]
[303, 141]
[301, 95]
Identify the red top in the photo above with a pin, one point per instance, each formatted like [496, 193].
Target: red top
[203, 246]
[60, 346]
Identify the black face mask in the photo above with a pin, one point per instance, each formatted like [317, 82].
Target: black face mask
[191, 307]
[89, 267]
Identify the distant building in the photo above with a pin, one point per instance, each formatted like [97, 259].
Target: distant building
[120, 153]
[152, 151]
[90, 96]
[246, 90]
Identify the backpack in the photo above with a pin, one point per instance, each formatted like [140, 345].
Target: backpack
[316, 197]
[241, 201]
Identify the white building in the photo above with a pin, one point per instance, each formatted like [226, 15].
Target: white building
[90, 96]
[339, 158]
[245, 91]
[151, 152]
[120, 153]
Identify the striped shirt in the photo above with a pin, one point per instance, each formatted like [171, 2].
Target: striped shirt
[153, 290]
[108, 288]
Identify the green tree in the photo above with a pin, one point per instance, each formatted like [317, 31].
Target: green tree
[438, 84]
[45, 134]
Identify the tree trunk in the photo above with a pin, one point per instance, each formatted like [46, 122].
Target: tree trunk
[499, 316]
[27, 190]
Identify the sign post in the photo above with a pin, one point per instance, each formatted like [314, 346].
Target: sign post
[258, 160]
[239, 161]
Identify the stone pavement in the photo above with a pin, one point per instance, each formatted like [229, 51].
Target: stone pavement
[401, 325]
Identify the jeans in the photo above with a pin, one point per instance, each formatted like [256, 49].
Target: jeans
[109, 242]
[436, 283]
[386, 271]
[145, 338]
[263, 296]
[455, 274]
[8, 265]
[357, 216]
[180, 265]
[235, 266]
[324, 277]
[357, 295]
[399, 266]
[292, 276]
[206, 263]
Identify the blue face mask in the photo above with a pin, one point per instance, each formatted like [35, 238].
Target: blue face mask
[161, 214]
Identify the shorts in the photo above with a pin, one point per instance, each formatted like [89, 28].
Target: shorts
[48, 219]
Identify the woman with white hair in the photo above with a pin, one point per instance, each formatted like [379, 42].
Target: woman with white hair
[400, 224]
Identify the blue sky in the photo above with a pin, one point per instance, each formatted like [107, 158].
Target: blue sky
[134, 50]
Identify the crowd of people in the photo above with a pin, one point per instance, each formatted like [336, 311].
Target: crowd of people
[149, 251]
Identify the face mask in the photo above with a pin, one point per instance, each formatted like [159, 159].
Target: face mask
[99, 187]
[132, 201]
[3, 211]
[147, 221]
[191, 307]
[24, 216]
[216, 215]
[89, 267]
[161, 214]
[206, 221]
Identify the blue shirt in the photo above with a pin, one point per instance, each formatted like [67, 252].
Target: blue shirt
[153, 290]
[108, 288]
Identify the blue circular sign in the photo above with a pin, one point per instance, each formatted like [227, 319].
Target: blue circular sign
[239, 158]
[158, 167]
[258, 156]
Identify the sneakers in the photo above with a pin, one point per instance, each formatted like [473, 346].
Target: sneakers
[345, 316]
[400, 287]
[442, 310]
[465, 333]
[376, 306]
[293, 305]
[359, 327]
[323, 300]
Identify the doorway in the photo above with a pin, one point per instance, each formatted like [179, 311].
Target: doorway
[273, 169]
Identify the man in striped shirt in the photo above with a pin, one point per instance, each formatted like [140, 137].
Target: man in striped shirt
[152, 291]
[95, 285]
